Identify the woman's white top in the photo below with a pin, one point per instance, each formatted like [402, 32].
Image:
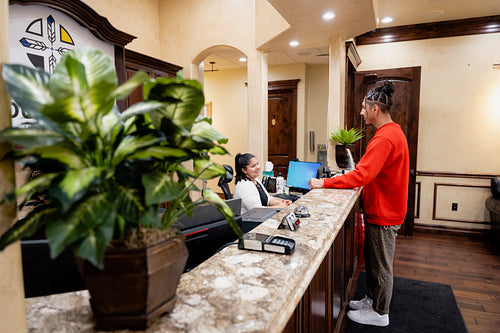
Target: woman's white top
[249, 194]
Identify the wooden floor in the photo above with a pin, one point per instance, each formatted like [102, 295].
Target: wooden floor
[468, 265]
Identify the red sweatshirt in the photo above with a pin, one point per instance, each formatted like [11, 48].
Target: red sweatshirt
[384, 172]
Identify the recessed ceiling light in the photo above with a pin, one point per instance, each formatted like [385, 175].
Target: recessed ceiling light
[328, 16]
[243, 59]
[294, 43]
[387, 19]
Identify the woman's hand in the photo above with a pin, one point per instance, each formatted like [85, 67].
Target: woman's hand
[279, 203]
[284, 203]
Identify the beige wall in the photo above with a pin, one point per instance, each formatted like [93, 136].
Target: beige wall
[316, 108]
[459, 125]
[227, 92]
[138, 18]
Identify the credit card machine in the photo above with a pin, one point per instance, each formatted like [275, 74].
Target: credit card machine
[266, 243]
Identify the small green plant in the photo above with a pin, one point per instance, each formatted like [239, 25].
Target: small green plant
[346, 137]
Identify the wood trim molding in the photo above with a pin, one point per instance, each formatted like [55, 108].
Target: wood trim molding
[418, 192]
[283, 84]
[455, 175]
[433, 229]
[473, 26]
[86, 16]
[141, 59]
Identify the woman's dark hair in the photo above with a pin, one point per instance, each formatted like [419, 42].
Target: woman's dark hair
[241, 161]
[381, 95]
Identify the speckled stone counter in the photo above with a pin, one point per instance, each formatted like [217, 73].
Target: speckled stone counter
[234, 290]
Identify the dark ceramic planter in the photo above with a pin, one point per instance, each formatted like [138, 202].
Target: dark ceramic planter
[341, 156]
[136, 286]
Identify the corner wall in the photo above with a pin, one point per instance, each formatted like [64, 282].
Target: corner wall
[12, 311]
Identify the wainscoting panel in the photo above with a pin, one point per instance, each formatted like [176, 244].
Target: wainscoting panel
[460, 203]
[439, 192]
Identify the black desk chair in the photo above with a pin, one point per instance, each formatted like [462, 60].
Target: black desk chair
[223, 181]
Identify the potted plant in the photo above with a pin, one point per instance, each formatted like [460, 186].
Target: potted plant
[344, 138]
[105, 177]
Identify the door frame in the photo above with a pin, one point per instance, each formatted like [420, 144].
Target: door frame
[354, 119]
[289, 87]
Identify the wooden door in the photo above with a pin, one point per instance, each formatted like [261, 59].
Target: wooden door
[282, 124]
[404, 111]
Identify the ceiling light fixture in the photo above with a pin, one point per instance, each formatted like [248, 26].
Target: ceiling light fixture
[387, 19]
[294, 43]
[243, 59]
[328, 16]
[212, 69]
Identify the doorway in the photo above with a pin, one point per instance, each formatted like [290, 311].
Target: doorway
[406, 110]
[282, 124]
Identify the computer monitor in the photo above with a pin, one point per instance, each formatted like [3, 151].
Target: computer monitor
[299, 174]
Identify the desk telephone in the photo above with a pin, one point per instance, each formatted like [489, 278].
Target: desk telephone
[269, 183]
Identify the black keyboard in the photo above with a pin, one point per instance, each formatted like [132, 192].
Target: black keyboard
[284, 196]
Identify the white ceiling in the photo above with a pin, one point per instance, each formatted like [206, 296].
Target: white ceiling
[352, 18]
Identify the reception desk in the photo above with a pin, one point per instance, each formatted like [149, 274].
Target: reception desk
[246, 291]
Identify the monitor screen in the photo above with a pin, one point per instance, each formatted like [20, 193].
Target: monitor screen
[299, 174]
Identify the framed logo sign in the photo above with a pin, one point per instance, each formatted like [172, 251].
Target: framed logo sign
[39, 36]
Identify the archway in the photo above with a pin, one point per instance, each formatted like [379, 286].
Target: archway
[224, 74]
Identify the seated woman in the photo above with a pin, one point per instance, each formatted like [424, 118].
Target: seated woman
[249, 188]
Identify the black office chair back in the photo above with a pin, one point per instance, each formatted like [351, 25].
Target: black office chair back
[225, 180]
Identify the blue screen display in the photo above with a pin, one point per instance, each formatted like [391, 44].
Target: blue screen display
[299, 173]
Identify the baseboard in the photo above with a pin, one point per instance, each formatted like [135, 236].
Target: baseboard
[471, 233]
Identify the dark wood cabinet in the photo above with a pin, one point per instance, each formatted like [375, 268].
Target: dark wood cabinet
[135, 61]
[323, 305]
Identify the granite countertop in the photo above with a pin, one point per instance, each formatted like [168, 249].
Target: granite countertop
[234, 290]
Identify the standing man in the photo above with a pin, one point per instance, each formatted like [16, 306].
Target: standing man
[384, 172]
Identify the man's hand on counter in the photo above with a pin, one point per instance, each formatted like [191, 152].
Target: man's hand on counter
[316, 183]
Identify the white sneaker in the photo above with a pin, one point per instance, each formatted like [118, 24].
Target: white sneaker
[368, 316]
[366, 302]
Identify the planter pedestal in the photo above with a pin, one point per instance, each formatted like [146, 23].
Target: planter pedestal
[136, 286]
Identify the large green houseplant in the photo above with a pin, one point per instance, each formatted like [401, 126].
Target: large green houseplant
[106, 175]
[344, 138]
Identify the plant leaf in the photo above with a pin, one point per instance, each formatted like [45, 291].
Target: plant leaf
[37, 184]
[215, 200]
[131, 144]
[159, 153]
[28, 87]
[185, 98]
[131, 84]
[59, 154]
[30, 136]
[26, 226]
[79, 224]
[205, 169]
[94, 245]
[83, 69]
[160, 187]
[76, 183]
[141, 108]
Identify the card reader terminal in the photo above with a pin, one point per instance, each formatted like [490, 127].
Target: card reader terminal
[266, 243]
